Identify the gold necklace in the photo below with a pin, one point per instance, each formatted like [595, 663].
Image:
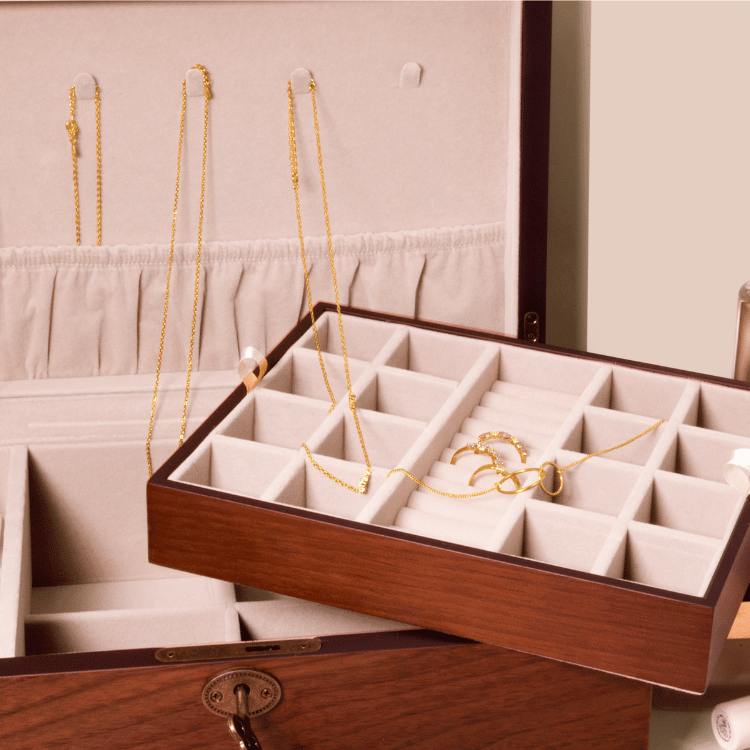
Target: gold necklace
[361, 488]
[72, 127]
[513, 476]
[206, 97]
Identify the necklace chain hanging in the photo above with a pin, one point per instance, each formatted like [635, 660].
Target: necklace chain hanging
[361, 488]
[72, 127]
[206, 98]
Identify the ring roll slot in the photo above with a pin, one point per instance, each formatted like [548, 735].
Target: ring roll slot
[597, 485]
[405, 394]
[439, 527]
[665, 558]
[524, 411]
[364, 338]
[387, 438]
[439, 354]
[558, 535]
[307, 487]
[274, 418]
[264, 615]
[552, 402]
[647, 394]
[233, 465]
[299, 373]
[702, 453]
[602, 429]
[696, 506]
[478, 510]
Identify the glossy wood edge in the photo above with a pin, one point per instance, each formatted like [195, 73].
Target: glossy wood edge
[536, 67]
[387, 640]
[624, 632]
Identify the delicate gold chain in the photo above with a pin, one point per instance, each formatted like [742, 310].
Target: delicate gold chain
[295, 185]
[97, 109]
[616, 447]
[498, 485]
[206, 97]
[72, 127]
[361, 488]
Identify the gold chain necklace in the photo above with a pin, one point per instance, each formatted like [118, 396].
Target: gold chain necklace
[206, 98]
[361, 488]
[72, 127]
[513, 476]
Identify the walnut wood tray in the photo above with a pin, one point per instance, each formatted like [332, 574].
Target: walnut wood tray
[637, 568]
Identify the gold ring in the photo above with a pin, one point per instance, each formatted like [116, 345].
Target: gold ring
[499, 470]
[543, 476]
[479, 450]
[514, 441]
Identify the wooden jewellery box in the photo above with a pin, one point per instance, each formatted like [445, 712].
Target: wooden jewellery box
[102, 648]
[432, 177]
[636, 568]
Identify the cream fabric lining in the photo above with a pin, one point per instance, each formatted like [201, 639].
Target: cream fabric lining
[83, 311]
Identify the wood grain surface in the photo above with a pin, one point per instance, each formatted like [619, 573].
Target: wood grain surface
[583, 621]
[467, 697]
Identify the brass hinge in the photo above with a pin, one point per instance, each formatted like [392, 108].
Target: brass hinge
[531, 327]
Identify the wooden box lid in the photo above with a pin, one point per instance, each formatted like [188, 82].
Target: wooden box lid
[636, 568]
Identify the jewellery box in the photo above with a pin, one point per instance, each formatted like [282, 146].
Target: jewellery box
[432, 187]
[99, 646]
[637, 567]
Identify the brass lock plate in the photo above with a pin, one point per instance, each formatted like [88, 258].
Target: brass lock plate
[263, 692]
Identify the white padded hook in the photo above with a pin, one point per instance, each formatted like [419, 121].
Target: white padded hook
[194, 82]
[301, 81]
[411, 74]
[85, 86]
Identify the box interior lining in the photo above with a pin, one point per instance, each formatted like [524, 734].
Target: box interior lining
[74, 574]
[656, 511]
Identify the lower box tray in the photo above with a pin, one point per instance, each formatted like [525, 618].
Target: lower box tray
[636, 568]
[92, 636]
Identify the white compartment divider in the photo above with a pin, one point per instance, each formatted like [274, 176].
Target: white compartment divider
[394, 494]
[613, 549]
[15, 563]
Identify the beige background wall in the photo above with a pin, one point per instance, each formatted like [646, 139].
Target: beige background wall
[668, 240]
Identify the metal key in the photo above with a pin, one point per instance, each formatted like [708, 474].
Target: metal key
[243, 734]
[239, 724]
